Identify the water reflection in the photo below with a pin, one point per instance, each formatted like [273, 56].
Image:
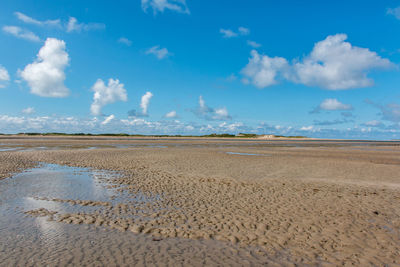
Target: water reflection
[244, 154]
[35, 188]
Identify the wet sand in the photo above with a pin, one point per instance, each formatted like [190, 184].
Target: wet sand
[232, 202]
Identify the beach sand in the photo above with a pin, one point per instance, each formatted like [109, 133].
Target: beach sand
[224, 202]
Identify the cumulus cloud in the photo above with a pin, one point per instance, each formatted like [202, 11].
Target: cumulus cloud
[107, 94]
[160, 53]
[107, 120]
[161, 5]
[74, 26]
[394, 11]
[228, 33]
[253, 44]
[15, 124]
[171, 114]
[28, 110]
[262, 70]
[388, 112]
[21, 33]
[208, 113]
[331, 104]
[30, 20]
[125, 41]
[45, 76]
[144, 105]
[4, 76]
[307, 128]
[145, 101]
[333, 64]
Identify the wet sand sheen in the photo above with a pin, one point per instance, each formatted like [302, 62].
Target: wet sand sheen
[54, 194]
[313, 204]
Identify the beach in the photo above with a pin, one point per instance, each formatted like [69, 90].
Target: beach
[202, 201]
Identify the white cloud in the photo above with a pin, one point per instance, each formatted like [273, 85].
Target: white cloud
[331, 104]
[21, 33]
[306, 128]
[104, 95]
[262, 70]
[160, 53]
[335, 64]
[332, 64]
[228, 33]
[171, 114]
[15, 124]
[4, 76]
[107, 120]
[30, 20]
[161, 5]
[244, 31]
[373, 123]
[45, 75]
[125, 41]
[208, 113]
[144, 103]
[253, 44]
[388, 112]
[221, 114]
[28, 110]
[74, 26]
[394, 11]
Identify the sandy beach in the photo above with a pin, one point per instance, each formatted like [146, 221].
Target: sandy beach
[207, 202]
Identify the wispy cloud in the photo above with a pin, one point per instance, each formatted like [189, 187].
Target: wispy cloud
[21, 33]
[162, 5]
[107, 120]
[394, 11]
[253, 44]
[29, 20]
[388, 112]
[125, 41]
[205, 112]
[74, 26]
[333, 122]
[28, 110]
[159, 52]
[4, 76]
[228, 33]
[244, 31]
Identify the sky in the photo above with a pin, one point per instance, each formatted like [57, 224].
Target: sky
[326, 69]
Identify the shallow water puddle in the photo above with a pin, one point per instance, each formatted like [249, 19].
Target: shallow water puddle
[40, 239]
[245, 154]
[60, 189]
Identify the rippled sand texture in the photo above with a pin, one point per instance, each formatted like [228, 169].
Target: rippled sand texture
[303, 202]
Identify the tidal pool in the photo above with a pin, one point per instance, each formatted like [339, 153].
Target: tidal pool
[27, 240]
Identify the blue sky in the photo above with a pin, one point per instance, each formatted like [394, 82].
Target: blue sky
[317, 68]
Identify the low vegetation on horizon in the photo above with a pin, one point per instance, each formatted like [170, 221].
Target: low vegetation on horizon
[223, 135]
